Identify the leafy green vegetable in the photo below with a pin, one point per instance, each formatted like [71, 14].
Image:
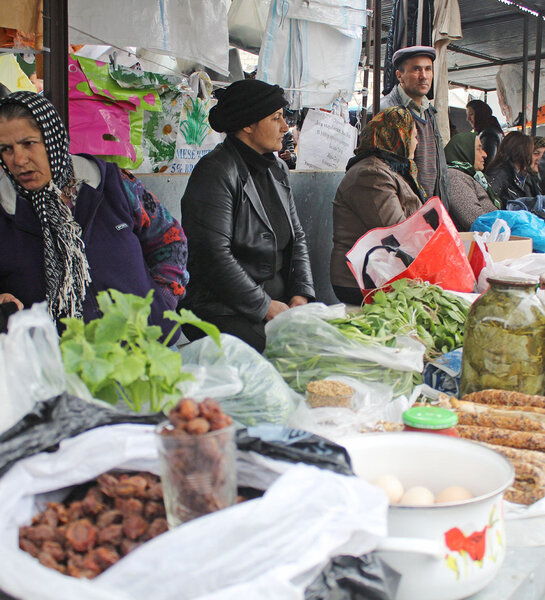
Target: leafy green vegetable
[305, 347]
[411, 307]
[120, 356]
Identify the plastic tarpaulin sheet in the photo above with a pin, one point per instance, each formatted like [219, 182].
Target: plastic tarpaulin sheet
[296, 52]
[246, 21]
[510, 86]
[195, 30]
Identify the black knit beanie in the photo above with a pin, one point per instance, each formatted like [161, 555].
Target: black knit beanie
[243, 103]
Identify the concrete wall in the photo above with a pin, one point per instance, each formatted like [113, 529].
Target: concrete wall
[313, 192]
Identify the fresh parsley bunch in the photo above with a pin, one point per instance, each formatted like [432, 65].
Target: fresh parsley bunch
[120, 356]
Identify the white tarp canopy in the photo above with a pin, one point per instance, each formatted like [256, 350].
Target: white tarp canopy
[194, 30]
[310, 49]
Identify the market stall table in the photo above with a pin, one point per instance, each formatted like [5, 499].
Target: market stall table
[521, 577]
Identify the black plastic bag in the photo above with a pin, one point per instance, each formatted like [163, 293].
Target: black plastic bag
[53, 420]
[354, 578]
[6, 310]
[294, 445]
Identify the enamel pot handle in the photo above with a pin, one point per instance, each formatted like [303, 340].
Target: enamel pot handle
[411, 545]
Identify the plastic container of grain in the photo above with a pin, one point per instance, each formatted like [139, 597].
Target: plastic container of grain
[328, 392]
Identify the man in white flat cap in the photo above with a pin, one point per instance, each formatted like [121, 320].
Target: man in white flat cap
[414, 71]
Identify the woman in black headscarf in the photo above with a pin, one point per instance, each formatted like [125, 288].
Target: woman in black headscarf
[484, 123]
[247, 251]
[472, 195]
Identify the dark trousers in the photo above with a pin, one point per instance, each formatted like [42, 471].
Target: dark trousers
[348, 295]
[238, 325]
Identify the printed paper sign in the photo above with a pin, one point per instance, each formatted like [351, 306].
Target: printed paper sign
[326, 142]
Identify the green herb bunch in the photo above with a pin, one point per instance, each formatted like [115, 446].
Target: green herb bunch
[120, 356]
[411, 307]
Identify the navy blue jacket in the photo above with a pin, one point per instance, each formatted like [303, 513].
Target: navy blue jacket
[112, 245]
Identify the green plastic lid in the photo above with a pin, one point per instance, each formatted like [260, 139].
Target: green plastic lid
[430, 417]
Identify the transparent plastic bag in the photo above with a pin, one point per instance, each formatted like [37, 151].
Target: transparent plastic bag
[31, 367]
[262, 396]
[303, 346]
[373, 402]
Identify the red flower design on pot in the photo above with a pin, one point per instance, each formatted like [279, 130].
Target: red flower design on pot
[474, 544]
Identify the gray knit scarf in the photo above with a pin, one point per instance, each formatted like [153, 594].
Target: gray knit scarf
[65, 262]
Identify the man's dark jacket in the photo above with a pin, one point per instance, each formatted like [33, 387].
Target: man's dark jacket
[232, 246]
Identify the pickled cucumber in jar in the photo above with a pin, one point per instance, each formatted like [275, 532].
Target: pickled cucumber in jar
[504, 339]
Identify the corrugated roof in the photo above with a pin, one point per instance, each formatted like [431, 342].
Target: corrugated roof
[493, 34]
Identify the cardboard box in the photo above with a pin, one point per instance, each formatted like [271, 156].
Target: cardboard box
[515, 247]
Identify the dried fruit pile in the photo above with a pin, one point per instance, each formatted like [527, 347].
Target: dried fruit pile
[84, 537]
[197, 418]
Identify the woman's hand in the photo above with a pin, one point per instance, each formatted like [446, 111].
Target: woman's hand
[298, 301]
[275, 308]
[10, 298]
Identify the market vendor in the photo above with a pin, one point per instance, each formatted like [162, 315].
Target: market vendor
[71, 226]
[472, 195]
[247, 251]
[510, 173]
[380, 188]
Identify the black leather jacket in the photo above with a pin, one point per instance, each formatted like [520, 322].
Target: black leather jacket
[232, 247]
[504, 182]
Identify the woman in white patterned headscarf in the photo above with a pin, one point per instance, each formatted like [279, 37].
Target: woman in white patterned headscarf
[75, 225]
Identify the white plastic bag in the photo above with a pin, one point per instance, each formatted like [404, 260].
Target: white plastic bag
[307, 516]
[373, 402]
[530, 266]
[31, 367]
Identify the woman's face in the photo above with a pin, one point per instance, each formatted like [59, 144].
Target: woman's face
[536, 157]
[470, 114]
[23, 151]
[413, 142]
[480, 155]
[266, 135]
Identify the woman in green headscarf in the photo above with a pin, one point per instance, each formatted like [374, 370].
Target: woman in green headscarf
[470, 193]
[380, 188]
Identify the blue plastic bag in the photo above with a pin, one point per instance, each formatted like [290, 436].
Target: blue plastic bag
[522, 223]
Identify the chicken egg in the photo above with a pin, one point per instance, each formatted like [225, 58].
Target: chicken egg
[453, 493]
[391, 486]
[417, 496]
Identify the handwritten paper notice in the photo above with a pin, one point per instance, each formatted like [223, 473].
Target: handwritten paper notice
[326, 142]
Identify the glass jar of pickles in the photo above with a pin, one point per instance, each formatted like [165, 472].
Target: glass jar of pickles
[504, 339]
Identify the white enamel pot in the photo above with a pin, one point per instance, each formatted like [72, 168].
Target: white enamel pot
[444, 551]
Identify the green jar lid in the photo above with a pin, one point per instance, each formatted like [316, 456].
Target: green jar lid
[430, 417]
